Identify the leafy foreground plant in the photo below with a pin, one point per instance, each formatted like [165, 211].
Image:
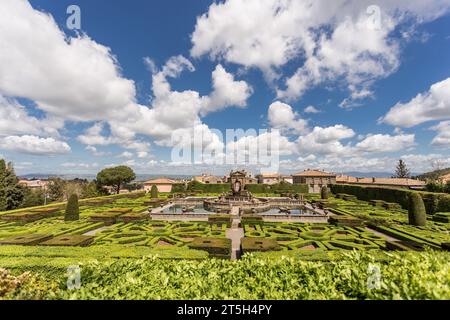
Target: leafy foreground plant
[409, 275]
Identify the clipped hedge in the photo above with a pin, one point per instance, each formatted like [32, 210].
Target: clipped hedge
[195, 186]
[220, 219]
[442, 217]
[252, 219]
[345, 221]
[72, 210]
[434, 202]
[417, 215]
[216, 247]
[249, 245]
[277, 188]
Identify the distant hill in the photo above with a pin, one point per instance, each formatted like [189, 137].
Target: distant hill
[433, 175]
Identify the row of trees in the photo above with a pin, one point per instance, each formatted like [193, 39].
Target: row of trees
[14, 195]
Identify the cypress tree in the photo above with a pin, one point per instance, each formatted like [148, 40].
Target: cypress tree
[416, 210]
[72, 210]
[154, 192]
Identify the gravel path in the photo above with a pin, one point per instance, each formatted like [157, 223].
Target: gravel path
[235, 234]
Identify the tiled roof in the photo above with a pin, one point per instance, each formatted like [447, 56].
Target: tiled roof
[346, 179]
[314, 173]
[381, 181]
[269, 175]
[160, 181]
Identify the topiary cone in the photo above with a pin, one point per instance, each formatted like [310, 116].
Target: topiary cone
[416, 210]
[324, 193]
[72, 210]
[154, 192]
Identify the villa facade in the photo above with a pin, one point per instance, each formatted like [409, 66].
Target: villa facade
[269, 178]
[315, 179]
[209, 179]
[163, 185]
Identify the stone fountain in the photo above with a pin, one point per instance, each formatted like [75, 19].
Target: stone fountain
[238, 196]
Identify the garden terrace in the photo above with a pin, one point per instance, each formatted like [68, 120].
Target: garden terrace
[301, 236]
[124, 224]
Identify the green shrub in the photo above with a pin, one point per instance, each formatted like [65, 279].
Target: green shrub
[69, 240]
[178, 187]
[72, 210]
[26, 239]
[377, 203]
[220, 219]
[249, 245]
[416, 210]
[391, 206]
[216, 247]
[154, 192]
[350, 198]
[345, 221]
[252, 220]
[279, 188]
[442, 217]
[324, 193]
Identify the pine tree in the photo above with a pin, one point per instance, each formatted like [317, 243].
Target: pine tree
[401, 171]
[11, 192]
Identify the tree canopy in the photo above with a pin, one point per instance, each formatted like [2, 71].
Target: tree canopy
[116, 177]
[11, 192]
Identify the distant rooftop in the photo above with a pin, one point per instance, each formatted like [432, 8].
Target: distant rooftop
[381, 181]
[314, 173]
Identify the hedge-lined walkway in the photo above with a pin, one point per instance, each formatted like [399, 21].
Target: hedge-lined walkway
[235, 234]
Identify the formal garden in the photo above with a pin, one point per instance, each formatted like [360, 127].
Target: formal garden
[121, 250]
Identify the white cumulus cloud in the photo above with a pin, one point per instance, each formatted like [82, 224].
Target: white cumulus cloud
[34, 145]
[282, 116]
[428, 106]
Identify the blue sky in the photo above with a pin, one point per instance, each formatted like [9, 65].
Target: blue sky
[345, 91]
